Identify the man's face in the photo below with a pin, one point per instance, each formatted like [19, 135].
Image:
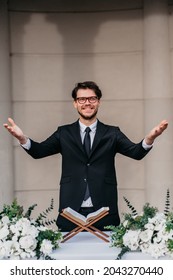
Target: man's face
[87, 108]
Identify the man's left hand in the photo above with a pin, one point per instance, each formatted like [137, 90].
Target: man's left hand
[155, 132]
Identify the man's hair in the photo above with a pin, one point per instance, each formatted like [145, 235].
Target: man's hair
[85, 85]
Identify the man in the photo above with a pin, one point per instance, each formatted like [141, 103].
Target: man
[88, 180]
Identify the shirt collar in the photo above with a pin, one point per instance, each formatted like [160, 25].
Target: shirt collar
[93, 126]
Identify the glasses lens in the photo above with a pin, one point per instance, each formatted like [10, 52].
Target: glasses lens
[82, 100]
[92, 99]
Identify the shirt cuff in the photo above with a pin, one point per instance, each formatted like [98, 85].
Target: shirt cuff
[146, 146]
[27, 145]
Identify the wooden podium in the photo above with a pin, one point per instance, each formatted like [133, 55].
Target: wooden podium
[88, 227]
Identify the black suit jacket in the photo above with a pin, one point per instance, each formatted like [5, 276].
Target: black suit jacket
[98, 169]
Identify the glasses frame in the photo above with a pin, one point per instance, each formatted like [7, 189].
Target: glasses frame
[91, 99]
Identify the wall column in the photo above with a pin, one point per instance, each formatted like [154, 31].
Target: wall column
[6, 152]
[158, 100]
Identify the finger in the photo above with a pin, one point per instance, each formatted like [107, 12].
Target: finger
[164, 122]
[11, 121]
[5, 125]
[164, 125]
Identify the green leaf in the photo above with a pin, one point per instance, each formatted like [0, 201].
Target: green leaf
[167, 203]
[133, 210]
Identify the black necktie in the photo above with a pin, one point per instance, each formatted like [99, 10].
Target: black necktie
[87, 141]
[87, 146]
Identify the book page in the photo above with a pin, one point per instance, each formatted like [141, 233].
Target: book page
[75, 215]
[82, 219]
[97, 213]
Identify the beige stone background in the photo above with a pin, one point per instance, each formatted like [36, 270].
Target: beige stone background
[46, 47]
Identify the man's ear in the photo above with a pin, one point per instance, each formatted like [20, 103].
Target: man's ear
[75, 104]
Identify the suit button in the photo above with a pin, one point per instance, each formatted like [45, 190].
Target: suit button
[85, 179]
[88, 164]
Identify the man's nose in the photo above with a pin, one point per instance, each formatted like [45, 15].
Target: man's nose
[87, 102]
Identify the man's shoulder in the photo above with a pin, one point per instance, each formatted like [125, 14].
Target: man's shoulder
[69, 125]
[108, 126]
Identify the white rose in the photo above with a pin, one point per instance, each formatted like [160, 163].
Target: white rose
[5, 249]
[157, 250]
[15, 248]
[33, 231]
[15, 229]
[146, 235]
[27, 242]
[160, 226]
[2, 250]
[46, 247]
[131, 239]
[144, 247]
[4, 231]
[149, 226]
[5, 220]
[27, 255]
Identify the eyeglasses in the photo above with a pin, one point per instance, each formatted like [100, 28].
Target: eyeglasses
[91, 99]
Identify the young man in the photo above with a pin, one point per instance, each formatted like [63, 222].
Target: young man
[88, 181]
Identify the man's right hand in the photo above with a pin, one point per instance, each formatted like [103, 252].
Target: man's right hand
[15, 131]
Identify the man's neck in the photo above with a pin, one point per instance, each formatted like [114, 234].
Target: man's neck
[87, 122]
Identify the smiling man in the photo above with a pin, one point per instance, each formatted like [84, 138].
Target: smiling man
[88, 148]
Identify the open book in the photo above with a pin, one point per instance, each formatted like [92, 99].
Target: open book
[69, 212]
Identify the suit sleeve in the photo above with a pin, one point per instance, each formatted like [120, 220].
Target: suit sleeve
[130, 149]
[48, 147]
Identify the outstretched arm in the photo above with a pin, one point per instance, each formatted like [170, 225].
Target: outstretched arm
[15, 131]
[155, 132]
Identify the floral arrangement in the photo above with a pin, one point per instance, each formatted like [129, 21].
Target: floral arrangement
[22, 237]
[150, 232]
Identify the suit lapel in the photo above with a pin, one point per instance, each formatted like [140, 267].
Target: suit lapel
[75, 132]
[100, 131]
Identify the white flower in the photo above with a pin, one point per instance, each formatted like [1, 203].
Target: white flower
[158, 221]
[5, 247]
[125, 223]
[15, 250]
[153, 236]
[28, 243]
[4, 232]
[27, 255]
[14, 229]
[144, 247]
[5, 220]
[3, 253]
[46, 247]
[19, 236]
[145, 235]
[157, 250]
[149, 226]
[27, 227]
[131, 238]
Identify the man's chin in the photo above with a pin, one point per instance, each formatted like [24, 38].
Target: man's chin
[88, 117]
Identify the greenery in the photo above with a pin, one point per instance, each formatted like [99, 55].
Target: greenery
[22, 237]
[150, 232]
